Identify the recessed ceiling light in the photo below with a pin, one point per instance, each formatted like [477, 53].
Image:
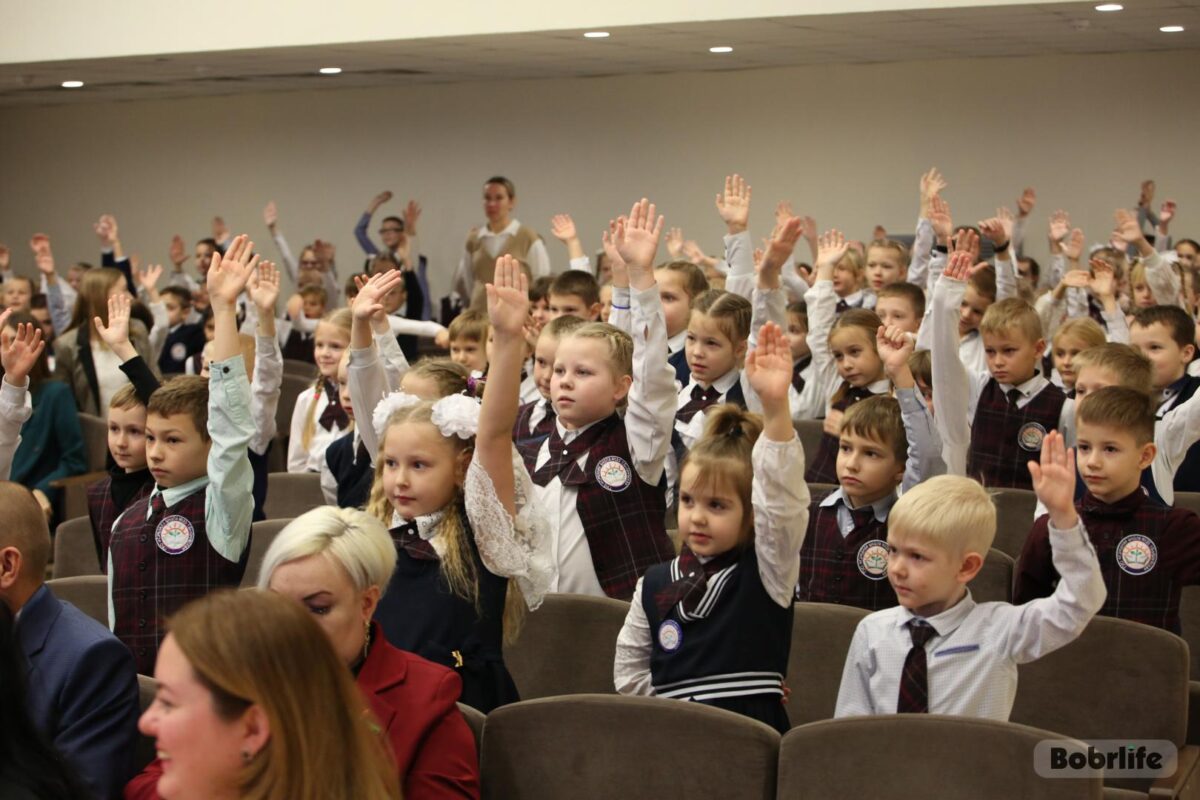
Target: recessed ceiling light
[72, 84]
[721, 49]
[1171, 29]
[329, 70]
[596, 35]
[1110, 7]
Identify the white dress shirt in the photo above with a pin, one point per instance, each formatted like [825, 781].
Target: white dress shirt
[493, 244]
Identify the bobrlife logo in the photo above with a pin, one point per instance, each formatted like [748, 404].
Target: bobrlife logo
[1106, 758]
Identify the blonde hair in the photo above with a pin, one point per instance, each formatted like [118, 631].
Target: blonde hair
[1007, 316]
[731, 313]
[358, 542]
[1122, 408]
[891, 244]
[456, 562]
[1129, 366]
[471, 325]
[342, 318]
[722, 457]
[878, 418]
[125, 398]
[256, 648]
[450, 376]
[853, 259]
[954, 513]
[618, 342]
[694, 282]
[1085, 330]
[92, 301]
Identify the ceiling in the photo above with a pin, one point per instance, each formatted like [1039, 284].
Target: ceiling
[998, 31]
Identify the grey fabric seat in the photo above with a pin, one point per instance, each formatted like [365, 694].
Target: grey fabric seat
[290, 494]
[75, 549]
[261, 535]
[995, 581]
[1014, 518]
[88, 593]
[821, 634]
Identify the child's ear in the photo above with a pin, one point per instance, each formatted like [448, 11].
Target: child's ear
[739, 350]
[1040, 347]
[594, 311]
[1149, 451]
[969, 567]
[1189, 352]
[462, 461]
[622, 389]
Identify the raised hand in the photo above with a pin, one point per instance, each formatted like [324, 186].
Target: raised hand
[508, 298]
[1077, 278]
[1073, 245]
[5, 257]
[45, 264]
[675, 243]
[379, 200]
[932, 185]
[21, 353]
[1127, 228]
[958, 266]
[39, 243]
[1146, 197]
[769, 366]
[116, 332]
[894, 346]
[106, 230]
[369, 301]
[831, 247]
[271, 215]
[263, 287]
[1103, 281]
[1060, 226]
[620, 272]
[940, 219]
[694, 254]
[228, 274]
[1166, 213]
[734, 204]
[325, 253]
[1026, 202]
[1054, 480]
[637, 242]
[178, 251]
[993, 229]
[563, 228]
[412, 215]
[779, 249]
[148, 278]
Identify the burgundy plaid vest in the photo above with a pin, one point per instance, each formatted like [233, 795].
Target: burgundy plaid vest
[159, 564]
[823, 468]
[623, 517]
[1004, 438]
[529, 443]
[103, 511]
[849, 570]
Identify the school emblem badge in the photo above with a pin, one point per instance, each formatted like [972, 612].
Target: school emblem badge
[614, 473]
[174, 535]
[178, 351]
[873, 559]
[1136, 554]
[1030, 437]
[670, 635]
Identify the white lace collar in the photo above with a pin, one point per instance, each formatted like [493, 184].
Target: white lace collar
[428, 525]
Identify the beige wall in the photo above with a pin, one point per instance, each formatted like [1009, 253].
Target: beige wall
[845, 143]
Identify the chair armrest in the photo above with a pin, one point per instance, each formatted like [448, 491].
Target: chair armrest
[79, 480]
[1185, 783]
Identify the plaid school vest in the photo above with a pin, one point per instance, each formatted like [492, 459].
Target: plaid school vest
[823, 468]
[103, 511]
[850, 570]
[159, 564]
[1004, 438]
[529, 443]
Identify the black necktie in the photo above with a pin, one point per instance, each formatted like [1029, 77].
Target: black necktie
[693, 581]
[1013, 395]
[411, 542]
[914, 681]
[797, 368]
[333, 414]
[862, 515]
[701, 399]
[841, 306]
[563, 457]
[157, 505]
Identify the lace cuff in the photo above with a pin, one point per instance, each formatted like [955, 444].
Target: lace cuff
[512, 548]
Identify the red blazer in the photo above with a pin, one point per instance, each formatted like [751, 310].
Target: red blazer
[416, 703]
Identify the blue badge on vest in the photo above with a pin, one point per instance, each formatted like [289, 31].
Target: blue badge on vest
[1136, 554]
[174, 535]
[1030, 436]
[670, 635]
[178, 351]
[614, 473]
[873, 559]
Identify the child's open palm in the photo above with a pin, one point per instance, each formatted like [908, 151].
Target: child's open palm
[508, 297]
[116, 332]
[637, 238]
[734, 204]
[263, 287]
[769, 364]
[1054, 479]
[831, 247]
[20, 354]
[229, 274]
[369, 300]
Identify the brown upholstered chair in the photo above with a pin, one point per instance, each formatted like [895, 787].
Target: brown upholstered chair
[1189, 618]
[302, 369]
[475, 721]
[1188, 500]
[88, 593]
[144, 749]
[1118, 680]
[995, 580]
[261, 535]
[821, 634]
[95, 440]
[1193, 731]
[1014, 518]
[291, 388]
[599, 747]
[567, 646]
[918, 756]
[75, 549]
[290, 494]
[810, 432]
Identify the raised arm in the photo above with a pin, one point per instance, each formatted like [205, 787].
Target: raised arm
[619, 317]
[822, 309]
[733, 205]
[563, 228]
[271, 218]
[368, 379]
[263, 290]
[18, 357]
[951, 382]
[1162, 278]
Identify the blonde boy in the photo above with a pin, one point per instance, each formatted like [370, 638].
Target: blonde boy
[536, 418]
[468, 340]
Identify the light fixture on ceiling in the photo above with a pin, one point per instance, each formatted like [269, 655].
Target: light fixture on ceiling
[1110, 7]
[1171, 29]
[721, 49]
[596, 35]
[329, 70]
[72, 84]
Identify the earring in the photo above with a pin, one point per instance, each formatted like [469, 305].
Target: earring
[246, 756]
[366, 638]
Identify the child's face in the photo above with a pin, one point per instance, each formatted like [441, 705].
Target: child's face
[709, 352]
[313, 307]
[540, 311]
[343, 383]
[42, 315]
[926, 393]
[394, 299]
[421, 470]
[867, 468]
[1011, 357]
[329, 343]
[1110, 460]
[17, 294]
[899, 312]
[1168, 358]
[1142, 296]
[854, 354]
[1187, 255]
[543, 362]
[127, 437]
[469, 352]
[210, 329]
[1091, 379]
[1064, 351]
[204, 254]
[971, 310]
[797, 334]
[584, 387]
[676, 302]
[711, 517]
[884, 267]
[200, 299]
[75, 276]
[425, 387]
[927, 578]
[846, 279]
[562, 305]
[605, 301]
[175, 450]
[176, 311]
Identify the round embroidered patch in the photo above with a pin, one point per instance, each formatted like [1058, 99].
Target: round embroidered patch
[873, 559]
[1136, 554]
[1031, 436]
[614, 473]
[670, 635]
[178, 351]
[174, 535]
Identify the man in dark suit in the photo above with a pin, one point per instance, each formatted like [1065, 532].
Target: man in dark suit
[83, 688]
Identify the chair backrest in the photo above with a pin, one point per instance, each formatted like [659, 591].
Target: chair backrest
[475, 721]
[995, 580]
[1014, 518]
[144, 749]
[1189, 617]
[75, 549]
[292, 387]
[95, 440]
[593, 747]
[290, 494]
[261, 535]
[304, 369]
[567, 646]
[821, 634]
[1188, 500]
[917, 756]
[88, 593]
[809, 431]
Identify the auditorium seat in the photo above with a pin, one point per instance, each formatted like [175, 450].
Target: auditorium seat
[475, 721]
[598, 747]
[292, 387]
[261, 535]
[75, 549]
[290, 494]
[1188, 500]
[995, 580]
[809, 432]
[1014, 518]
[1189, 618]
[567, 646]
[821, 634]
[88, 593]
[95, 441]
[918, 756]
[302, 369]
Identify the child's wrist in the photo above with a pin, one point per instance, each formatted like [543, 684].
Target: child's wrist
[1064, 519]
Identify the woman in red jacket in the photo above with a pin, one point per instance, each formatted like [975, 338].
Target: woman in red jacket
[336, 562]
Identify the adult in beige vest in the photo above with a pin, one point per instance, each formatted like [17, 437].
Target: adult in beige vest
[502, 235]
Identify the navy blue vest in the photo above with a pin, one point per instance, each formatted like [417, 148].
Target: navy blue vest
[354, 478]
[180, 344]
[1187, 477]
[678, 360]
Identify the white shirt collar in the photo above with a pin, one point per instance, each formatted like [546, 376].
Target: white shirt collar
[722, 384]
[569, 436]
[1028, 388]
[882, 506]
[509, 230]
[677, 342]
[946, 622]
[428, 525]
